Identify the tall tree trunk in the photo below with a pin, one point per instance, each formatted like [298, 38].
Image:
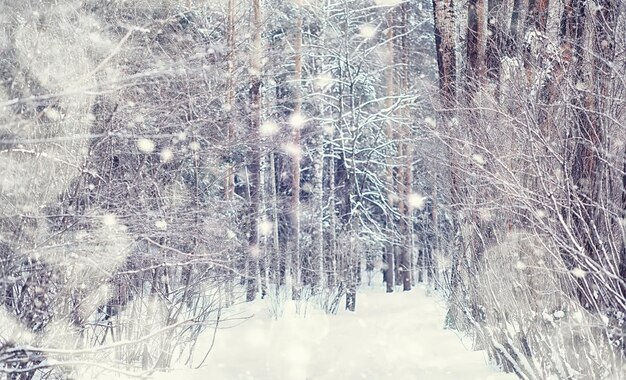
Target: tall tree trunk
[295, 189]
[318, 248]
[536, 23]
[496, 43]
[389, 255]
[537, 16]
[331, 255]
[514, 34]
[446, 50]
[404, 153]
[476, 43]
[446, 63]
[593, 122]
[254, 159]
[279, 264]
[229, 188]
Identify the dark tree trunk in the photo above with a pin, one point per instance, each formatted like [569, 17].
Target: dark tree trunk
[536, 22]
[475, 42]
[446, 50]
[496, 44]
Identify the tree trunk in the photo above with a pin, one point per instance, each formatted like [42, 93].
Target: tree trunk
[295, 189]
[229, 188]
[446, 50]
[593, 117]
[536, 22]
[254, 166]
[476, 43]
[389, 255]
[406, 155]
[495, 41]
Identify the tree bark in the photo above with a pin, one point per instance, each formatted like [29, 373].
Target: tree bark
[536, 22]
[495, 41]
[295, 190]
[389, 255]
[476, 42]
[254, 166]
[446, 50]
[229, 187]
[405, 154]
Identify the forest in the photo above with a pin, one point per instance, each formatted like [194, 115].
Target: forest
[165, 161]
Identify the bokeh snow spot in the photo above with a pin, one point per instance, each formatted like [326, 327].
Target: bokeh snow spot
[324, 80]
[109, 220]
[485, 214]
[416, 201]
[265, 227]
[328, 129]
[194, 146]
[166, 155]
[297, 120]
[292, 149]
[53, 114]
[581, 86]
[578, 273]
[161, 224]
[269, 128]
[559, 314]
[254, 251]
[367, 31]
[145, 145]
[578, 316]
[230, 234]
[479, 159]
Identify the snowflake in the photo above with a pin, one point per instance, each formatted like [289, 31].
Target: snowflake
[416, 201]
[145, 145]
[161, 224]
[367, 31]
[479, 159]
[578, 273]
[269, 128]
[109, 220]
[166, 155]
[297, 120]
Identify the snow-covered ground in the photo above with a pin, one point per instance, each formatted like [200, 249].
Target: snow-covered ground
[391, 336]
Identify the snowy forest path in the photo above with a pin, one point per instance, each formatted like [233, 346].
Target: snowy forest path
[391, 336]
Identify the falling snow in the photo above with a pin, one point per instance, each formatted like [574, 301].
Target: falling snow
[145, 145]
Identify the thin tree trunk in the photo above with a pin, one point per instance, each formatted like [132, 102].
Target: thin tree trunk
[295, 190]
[404, 153]
[278, 257]
[495, 46]
[318, 195]
[515, 17]
[229, 188]
[536, 20]
[332, 215]
[254, 159]
[389, 256]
